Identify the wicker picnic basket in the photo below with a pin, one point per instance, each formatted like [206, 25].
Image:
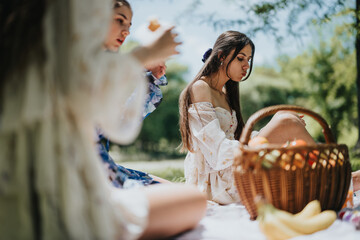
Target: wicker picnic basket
[290, 177]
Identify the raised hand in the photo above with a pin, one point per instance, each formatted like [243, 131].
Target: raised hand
[159, 50]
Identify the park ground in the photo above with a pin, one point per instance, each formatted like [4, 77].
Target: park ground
[173, 169]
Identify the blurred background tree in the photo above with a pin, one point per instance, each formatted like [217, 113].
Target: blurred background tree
[160, 132]
[324, 77]
[160, 136]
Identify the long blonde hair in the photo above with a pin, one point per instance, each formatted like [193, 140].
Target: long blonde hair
[224, 44]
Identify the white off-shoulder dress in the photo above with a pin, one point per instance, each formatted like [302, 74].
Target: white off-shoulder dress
[52, 182]
[209, 166]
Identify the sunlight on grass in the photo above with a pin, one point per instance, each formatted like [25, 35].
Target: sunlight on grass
[171, 174]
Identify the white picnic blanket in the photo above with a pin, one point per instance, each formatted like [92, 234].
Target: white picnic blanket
[230, 222]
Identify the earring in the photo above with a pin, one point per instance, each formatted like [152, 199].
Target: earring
[221, 63]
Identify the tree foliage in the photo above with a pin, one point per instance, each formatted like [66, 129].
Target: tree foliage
[321, 78]
[328, 91]
[292, 16]
[264, 88]
[326, 75]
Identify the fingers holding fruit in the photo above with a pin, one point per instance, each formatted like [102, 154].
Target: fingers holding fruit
[164, 47]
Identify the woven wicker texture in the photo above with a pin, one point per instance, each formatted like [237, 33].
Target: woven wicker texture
[290, 177]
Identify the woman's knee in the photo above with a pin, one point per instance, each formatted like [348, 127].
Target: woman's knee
[287, 119]
[283, 127]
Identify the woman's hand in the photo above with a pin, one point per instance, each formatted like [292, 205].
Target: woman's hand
[159, 50]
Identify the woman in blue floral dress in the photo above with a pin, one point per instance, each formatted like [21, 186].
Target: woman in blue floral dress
[156, 78]
[120, 176]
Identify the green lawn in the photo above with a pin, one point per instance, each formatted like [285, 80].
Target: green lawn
[171, 174]
[173, 170]
[177, 174]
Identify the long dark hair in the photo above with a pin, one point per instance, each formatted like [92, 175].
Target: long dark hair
[224, 44]
[21, 37]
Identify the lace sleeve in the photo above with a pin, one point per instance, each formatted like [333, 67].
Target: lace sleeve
[209, 138]
[105, 81]
[99, 83]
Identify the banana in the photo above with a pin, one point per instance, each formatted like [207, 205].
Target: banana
[307, 226]
[281, 225]
[274, 229]
[311, 209]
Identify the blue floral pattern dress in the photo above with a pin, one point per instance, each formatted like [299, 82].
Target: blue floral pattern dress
[154, 96]
[120, 176]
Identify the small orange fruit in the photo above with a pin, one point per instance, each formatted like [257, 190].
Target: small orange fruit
[298, 142]
[154, 25]
[257, 141]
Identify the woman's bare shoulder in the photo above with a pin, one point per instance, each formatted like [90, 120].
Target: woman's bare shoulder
[201, 91]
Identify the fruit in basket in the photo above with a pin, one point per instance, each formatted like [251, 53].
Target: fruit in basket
[299, 157]
[299, 160]
[285, 161]
[286, 157]
[279, 224]
[298, 142]
[313, 157]
[270, 158]
[258, 141]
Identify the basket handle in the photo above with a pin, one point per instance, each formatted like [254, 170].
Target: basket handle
[245, 135]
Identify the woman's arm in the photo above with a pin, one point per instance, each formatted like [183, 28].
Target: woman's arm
[159, 50]
[356, 180]
[174, 208]
[209, 138]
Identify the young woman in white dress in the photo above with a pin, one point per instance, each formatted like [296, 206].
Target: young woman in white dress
[211, 120]
[56, 84]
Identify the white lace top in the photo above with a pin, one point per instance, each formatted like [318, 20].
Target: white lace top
[209, 166]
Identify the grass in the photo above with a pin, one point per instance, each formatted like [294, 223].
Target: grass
[171, 174]
[173, 171]
[177, 175]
